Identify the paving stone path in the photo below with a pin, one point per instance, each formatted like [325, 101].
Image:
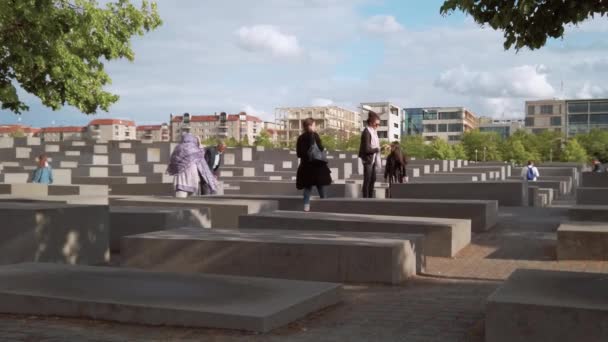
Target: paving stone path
[445, 304]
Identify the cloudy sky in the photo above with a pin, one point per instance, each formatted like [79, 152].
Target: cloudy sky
[241, 55]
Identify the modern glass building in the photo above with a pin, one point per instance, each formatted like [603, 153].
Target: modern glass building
[585, 115]
[412, 121]
[504, 128]
[447, 123]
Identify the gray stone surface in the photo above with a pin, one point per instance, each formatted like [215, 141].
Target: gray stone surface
[283, 188]
[442, 237]
[285, 202]
[302, 255]
[594, 180]
[582, 241]
[483, 214]
[148, 189]
[155, 298]
[593, 196]
[587, 212]
[557, 306]
[125, 221]
[223, 213]
[53, 232]
[508, 193]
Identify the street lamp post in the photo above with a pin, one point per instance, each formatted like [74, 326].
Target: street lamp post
[484, 153]
[551, 155]
[475, 154]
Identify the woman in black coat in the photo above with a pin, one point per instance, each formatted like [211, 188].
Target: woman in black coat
[310, 173]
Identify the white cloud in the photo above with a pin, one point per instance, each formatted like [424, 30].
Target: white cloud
[590, 91]
[249, 109]
[521, 81]
[321, 102]
[268, 38]
[382, 24]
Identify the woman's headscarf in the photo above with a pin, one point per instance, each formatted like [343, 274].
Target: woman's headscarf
[185, 154]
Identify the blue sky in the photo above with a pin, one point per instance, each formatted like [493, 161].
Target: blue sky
[209, 58]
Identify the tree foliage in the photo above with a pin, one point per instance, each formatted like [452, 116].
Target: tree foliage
[595, 143]
[484, 143]
[415, 146]
[574, 152]
[440, 149]
[56, 49]
[264, 139]
[527, 23]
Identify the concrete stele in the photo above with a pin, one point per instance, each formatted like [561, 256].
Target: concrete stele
[153, 155]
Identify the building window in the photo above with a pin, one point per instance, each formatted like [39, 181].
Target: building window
[578, 119]
[529, 122]
[454, 138]
[556, 121]
[538, 130]
[396, 125]
[395, 136]
[599, 119]
[383, 123]
[116, 133]
[442, 127]
[599, 107]
[531, 110]
[430, 115]
[430, 128]
[126, 133]
[450, 115]
[546, 109]
[578, 107]
[382, 135]
[455, 128]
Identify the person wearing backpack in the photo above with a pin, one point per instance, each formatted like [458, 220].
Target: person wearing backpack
[313, 170]
[530, 172]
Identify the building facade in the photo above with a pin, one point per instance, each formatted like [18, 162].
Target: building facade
[18, 131]
[571, 117]
[65, 133]
[546, 115]
[328, 119]
[153, 133]
[503, 127]
[447, 123]
[390, 119]
[221, 126]
[111, 129]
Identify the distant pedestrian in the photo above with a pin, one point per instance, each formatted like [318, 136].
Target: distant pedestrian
[369, 152]
[597, 166]
[188, 166]
[313, 170]
[394, 170]
[43, 173]
[530, 172]
[214, 156]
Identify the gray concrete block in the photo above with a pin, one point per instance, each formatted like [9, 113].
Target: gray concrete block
[582, 241]
[508, 193]
[125, 221]
[53, 232]
[224, 213]
[593, 196]
[442, 237]
[587, 212]
[594, 180]
[148, 189]
[302, 255]
[483, 214]
[557, 306]
[155, 298]
[283, 188]
[288, 203]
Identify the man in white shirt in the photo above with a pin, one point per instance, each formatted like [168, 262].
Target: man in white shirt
[530, 173]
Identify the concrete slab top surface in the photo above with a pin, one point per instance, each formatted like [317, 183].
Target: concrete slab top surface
[411, 200]
[143, 210]
[430, 221]
[599, 227]
[218, 294]
[192, 201]
[37, 205]
[555, 288]
[282, 236]
[589, 207]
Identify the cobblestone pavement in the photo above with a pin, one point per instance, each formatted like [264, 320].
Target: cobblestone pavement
[445, 304]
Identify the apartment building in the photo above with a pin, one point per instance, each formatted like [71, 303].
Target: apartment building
[64, 133]
[503, 127]
[222, 126]
[111, 129]
[153, 133]
[329, 120]
[390, 119]
[546, 115]
[447, 123]
[18, 131]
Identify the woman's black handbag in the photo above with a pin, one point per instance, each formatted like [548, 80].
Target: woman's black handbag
[315, 154]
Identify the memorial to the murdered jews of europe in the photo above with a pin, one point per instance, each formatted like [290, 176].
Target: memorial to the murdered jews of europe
[108, 240]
